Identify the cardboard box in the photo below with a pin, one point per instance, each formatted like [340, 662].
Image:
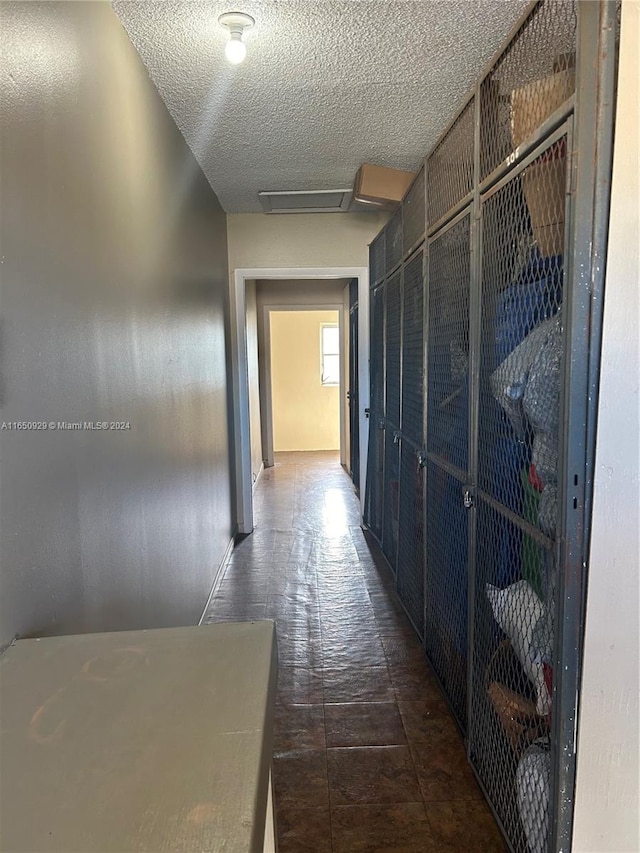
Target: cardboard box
[543, 182]
[532, 105]
[381, 185]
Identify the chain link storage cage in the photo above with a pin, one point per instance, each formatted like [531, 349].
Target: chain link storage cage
[413, 214]
[446, 600]
[375, 455]
[391, 496]
[410, 570]
[519, 299]
[447, 452]
[450, 167]
[393, 240]
[448, 346]
[522, 346]
[531, 80]
[413, 350]
[392, 349]
[393, 366]
[509, 723]
[507, 503]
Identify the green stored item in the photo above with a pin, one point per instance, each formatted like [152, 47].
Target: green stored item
[530, 549]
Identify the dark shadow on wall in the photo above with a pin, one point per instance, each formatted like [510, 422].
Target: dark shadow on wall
[114, 310]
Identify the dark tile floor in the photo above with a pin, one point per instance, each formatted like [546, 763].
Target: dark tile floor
[366, 755]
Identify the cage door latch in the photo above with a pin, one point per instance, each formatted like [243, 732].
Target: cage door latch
[468, 497]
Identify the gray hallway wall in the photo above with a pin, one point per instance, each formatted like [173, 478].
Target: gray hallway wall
[114, 308]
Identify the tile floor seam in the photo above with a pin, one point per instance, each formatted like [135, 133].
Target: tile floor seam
[415, 769]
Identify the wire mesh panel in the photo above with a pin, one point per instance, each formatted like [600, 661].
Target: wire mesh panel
[376, 259]
[413, 214]
[450, 166]
[393, 337]
[375, 483]
[447, 446]
[412, 350]
[446, 585]
[510, 717]
[529, 82]
[393, 240]
[496, 389]
[411, 535]
[448, 349]
[522, 276]
[520, 385]
[393, 307]
[375, 457]
[391, 496]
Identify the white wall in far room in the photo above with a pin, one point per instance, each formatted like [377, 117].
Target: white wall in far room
[306, 413]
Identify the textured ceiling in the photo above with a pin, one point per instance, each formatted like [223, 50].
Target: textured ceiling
[326, 85]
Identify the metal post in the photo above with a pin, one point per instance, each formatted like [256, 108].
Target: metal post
[425, 398]
[475, 285]
[590, 180]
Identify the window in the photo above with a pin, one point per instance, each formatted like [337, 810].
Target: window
[329, 354]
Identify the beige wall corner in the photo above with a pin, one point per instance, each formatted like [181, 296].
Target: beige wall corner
[301, 240]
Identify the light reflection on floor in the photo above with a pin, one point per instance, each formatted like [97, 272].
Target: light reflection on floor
[367, 757]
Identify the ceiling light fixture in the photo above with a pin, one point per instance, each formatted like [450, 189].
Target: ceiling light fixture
[236, 23]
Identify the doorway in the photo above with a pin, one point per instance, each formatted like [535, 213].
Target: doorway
[305, 383]
[241, 413]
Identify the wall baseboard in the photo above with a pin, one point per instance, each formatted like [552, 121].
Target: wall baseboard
[257, 479]
[215, 586]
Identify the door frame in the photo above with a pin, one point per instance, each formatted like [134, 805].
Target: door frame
[351, 372]
[240, 377]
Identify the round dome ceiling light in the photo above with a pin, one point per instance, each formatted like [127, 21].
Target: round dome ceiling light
[236, 23]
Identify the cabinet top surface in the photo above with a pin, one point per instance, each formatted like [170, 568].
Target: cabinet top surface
[136, 740]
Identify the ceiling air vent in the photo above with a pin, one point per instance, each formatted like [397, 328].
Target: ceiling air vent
[306, 201]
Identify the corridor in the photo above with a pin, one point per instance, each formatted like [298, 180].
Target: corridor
[366, 755]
